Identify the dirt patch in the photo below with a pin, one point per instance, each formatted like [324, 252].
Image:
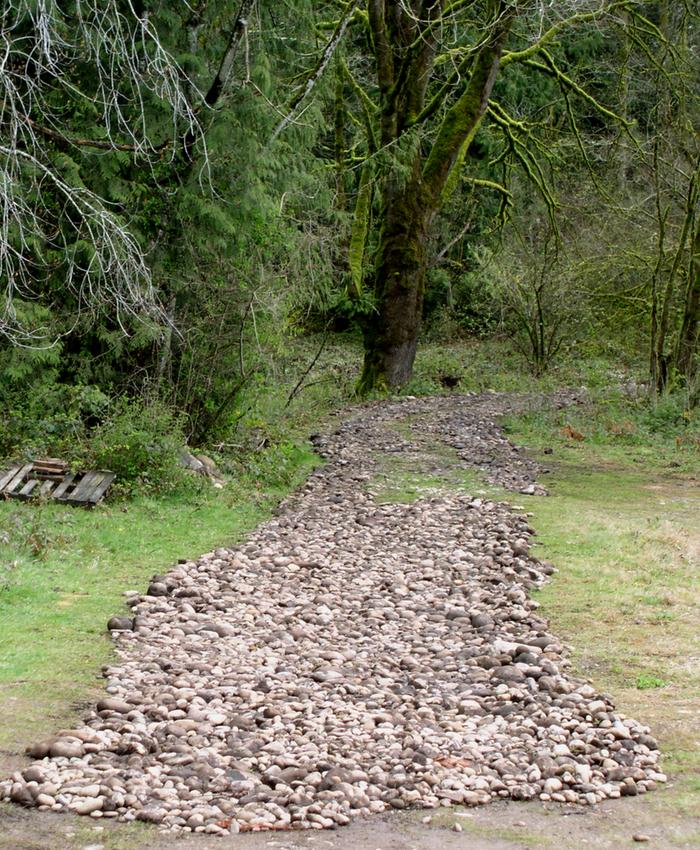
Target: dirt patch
[500, 826]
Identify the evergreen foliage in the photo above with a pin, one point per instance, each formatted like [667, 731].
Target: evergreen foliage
[188, 187]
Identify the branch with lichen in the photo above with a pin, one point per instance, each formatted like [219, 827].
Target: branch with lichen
[462, 119]
[550, 68]
[369, 109]
[557, 29]
[360, 230]
[437, 100]
[506, 197]
[317, 72]
[517, 135]
[490, 184]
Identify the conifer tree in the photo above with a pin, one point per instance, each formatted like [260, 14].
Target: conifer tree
[77, 77]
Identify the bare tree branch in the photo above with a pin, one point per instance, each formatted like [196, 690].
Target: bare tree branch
[223, 74]
[317, 72]
[49, 222]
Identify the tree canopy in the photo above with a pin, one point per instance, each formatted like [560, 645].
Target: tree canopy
[187, 185]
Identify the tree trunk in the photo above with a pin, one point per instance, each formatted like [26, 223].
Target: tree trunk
[408, 206]
[661, 359]
[391, 333]
[689, 337]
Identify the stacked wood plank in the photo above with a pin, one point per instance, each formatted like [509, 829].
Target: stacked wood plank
[49, 467]
[50, 478]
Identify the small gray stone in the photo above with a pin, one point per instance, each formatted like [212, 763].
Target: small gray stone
[117, 705]
[115, 624]
[87, 805]
[66, 749]
[19, 793]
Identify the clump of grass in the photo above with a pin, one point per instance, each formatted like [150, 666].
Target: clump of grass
[645, 681]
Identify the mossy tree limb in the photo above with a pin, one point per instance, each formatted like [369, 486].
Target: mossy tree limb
[688, 349]
[409, 204]
[360, 229]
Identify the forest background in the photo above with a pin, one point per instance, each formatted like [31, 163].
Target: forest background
[222, 220]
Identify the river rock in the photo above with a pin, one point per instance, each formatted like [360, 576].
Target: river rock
[349, 657]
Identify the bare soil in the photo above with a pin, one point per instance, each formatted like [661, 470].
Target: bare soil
[499, 826]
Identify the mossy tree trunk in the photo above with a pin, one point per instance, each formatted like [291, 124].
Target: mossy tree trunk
[688, 349]
[391, 334]
[410, 195]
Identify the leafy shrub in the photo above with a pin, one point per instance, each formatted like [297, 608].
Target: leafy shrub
[84, 403]
[665, 415]
[276, 467]
[141, 443]
[50, 419]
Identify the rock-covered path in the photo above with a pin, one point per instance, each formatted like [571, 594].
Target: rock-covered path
[349, 658]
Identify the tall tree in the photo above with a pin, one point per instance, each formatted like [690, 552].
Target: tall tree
[673, 149]
[424, 76]
[405, 42]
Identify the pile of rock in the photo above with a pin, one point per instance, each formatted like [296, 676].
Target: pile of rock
[349, 658]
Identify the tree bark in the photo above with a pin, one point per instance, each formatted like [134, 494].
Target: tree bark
[391, 333]
[689, 337]
[408, 208]
[661, 358]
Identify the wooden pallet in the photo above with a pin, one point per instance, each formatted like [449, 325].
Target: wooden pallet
[50, 479]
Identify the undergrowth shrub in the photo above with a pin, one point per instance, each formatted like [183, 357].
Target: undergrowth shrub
[141, 443]
[612, 417]
[274, 467]
[666, 415]
[50, 420]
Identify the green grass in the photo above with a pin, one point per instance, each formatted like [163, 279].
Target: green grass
[645, 681]
[661, 435]
[622, 527]
[63, 571]
[521, 837]
[493, 364]
[431, 468]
